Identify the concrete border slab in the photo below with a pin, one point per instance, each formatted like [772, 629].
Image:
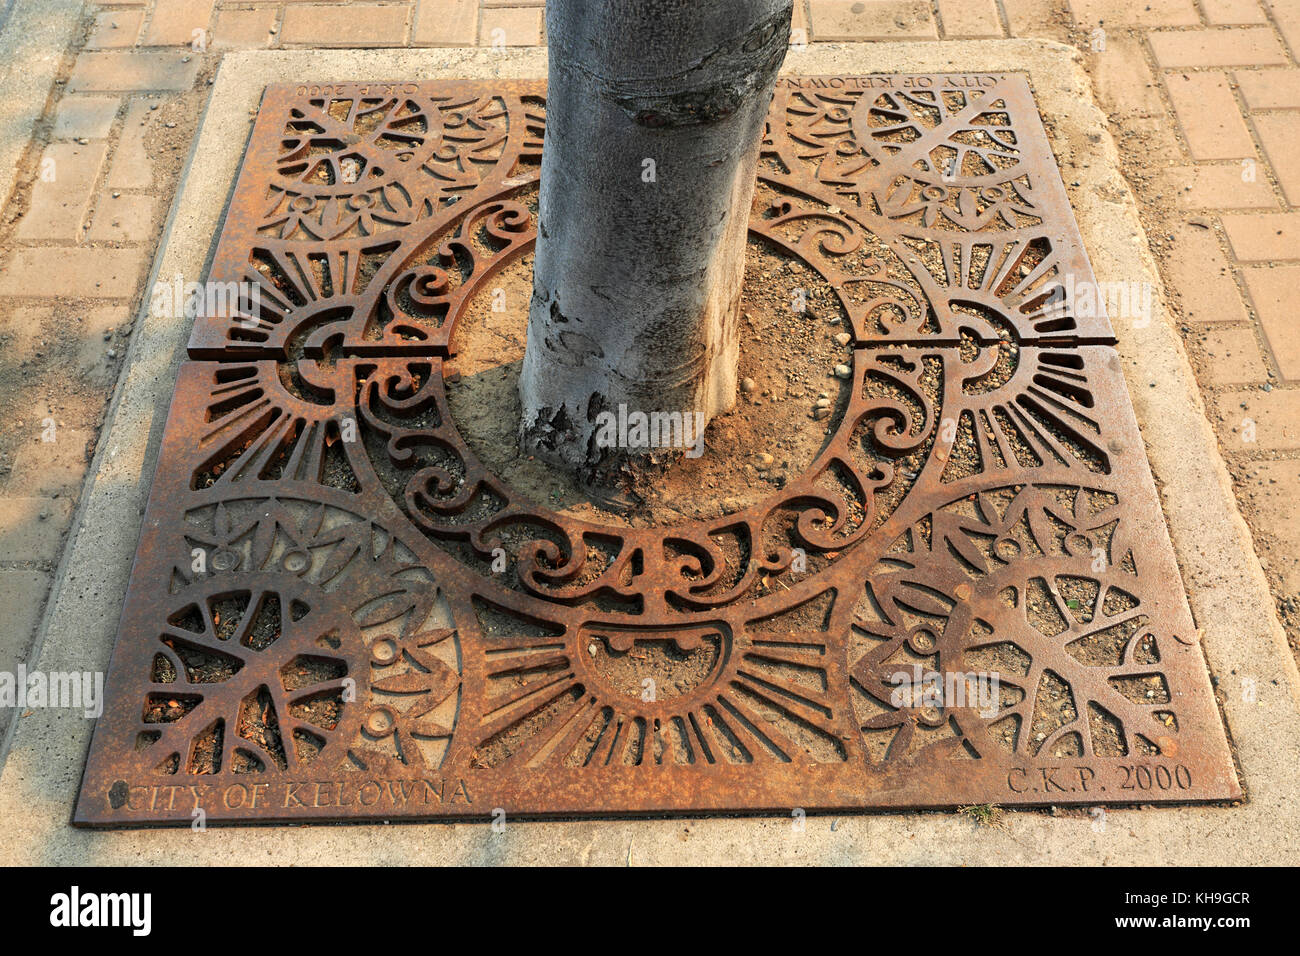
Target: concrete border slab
[1244, 644]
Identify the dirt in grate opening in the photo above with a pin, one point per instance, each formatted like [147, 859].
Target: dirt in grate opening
[769, 439]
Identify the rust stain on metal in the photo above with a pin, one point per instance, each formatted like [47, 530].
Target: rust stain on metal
[337, 612]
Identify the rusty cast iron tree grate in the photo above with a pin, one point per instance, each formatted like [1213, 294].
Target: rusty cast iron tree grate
[337, 611]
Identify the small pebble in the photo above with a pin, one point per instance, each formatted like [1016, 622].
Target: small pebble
[748, 385]
[843, 338]
[843, 371]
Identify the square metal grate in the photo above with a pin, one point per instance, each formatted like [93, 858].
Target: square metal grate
[338, 611]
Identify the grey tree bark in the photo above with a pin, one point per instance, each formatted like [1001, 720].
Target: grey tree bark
[655, 112]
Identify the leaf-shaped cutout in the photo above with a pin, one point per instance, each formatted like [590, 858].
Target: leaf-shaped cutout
[438, 682]
[384, 608]
[926, 602]
[429, 728]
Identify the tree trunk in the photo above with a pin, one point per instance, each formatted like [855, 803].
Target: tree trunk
[655, 112]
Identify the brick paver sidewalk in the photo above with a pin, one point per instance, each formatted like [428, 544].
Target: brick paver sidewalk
[1203, 98]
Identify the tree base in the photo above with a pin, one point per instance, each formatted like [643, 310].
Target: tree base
[787, 365]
